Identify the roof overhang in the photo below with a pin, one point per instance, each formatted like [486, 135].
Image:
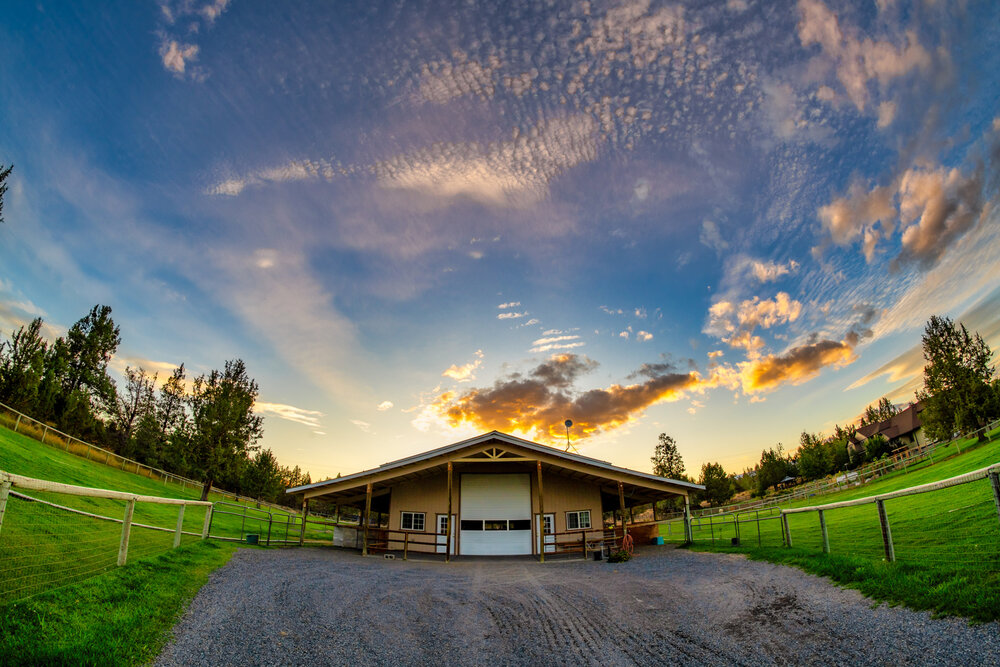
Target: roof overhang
[495, 447]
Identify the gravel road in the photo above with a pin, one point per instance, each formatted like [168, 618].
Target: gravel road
[666, 606]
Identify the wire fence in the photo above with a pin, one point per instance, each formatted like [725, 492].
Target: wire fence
[49, 435]
[952, 523]
[56, 534]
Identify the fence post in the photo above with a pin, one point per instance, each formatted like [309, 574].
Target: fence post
[17, 423]
[45, 432]
[787, 531]
[180, 527]
[826, 537]
[406, 545]
[208, 522]
[757, 513]
[126, 529]
[711, 530]
[890, 554]
[4, 492]
[994, 481]
[688, 530]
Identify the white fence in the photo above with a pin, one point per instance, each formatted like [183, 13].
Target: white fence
[45, 544]
[22, 423]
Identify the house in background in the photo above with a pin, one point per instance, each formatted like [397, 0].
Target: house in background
[504, 496]
[904, 431]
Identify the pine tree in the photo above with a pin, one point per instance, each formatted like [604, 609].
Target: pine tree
[666, 459]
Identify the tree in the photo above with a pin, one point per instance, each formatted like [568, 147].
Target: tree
[812, 457]
[876, 447]
[774, 466]
[22, 366]
[879, 412]
[263, 477]
[957, 394]
[718, 485]
[225, 429]
[4, 173]
[91, 342]
[131, 406]
[666, 459]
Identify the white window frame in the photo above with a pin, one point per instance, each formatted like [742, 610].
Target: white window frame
[578, 516]
[413, 516]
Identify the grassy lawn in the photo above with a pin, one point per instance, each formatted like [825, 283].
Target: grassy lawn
[43, 547]
[947, 542]
[122, 617]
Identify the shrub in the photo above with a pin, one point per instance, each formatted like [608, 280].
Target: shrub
[619, 556]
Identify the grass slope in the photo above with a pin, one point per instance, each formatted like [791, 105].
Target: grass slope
[123, 617]
[43, 547]
[947, 542]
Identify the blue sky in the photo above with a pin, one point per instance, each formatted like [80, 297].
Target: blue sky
[419, 221]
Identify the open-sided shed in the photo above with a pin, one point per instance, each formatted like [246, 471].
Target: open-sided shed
[494, 494]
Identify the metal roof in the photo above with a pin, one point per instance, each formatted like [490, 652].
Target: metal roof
[486, 437]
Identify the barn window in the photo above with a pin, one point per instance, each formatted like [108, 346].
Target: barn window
[578, 520]
[412, 521]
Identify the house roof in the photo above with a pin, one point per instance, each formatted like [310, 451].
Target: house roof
[436, 457]
[903, 423]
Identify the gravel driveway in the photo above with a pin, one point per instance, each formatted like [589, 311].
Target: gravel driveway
[666, 606]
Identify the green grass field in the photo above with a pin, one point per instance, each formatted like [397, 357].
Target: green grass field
[43, 547]
[947, 542]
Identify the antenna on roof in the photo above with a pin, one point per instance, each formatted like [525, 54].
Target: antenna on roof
[567, 424]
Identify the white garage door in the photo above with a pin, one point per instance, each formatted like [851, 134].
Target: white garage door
[496, 515]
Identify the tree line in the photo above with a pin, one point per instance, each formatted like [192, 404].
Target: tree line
[204, 428]
[961, 393]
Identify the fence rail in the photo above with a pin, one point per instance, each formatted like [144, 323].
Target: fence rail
[46, 544]
[49, 435]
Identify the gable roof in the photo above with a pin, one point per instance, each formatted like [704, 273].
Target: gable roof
[900, 424]
[437, 456]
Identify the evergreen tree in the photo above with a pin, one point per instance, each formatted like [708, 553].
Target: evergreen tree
[4, 173]
[718, 485]
[22, 367]
[666, 459]
[957, 394]
[879, 412]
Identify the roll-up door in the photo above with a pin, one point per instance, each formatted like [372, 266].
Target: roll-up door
[495, 518]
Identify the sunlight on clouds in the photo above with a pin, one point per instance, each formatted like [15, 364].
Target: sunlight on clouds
[795, 366]
[176, 56]
[644, 336]
[511, 315]
[465, 372]
[384, 405]
[565, 342]
[443, 81]
[310, 418]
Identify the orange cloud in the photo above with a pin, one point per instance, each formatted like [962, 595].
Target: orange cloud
[537, 403]
[796, 365]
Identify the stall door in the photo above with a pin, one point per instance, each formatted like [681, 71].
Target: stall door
[550, 539]
[442, 530]
[496, 514]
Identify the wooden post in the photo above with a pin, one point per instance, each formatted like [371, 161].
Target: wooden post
[583, 542]
[17, 423]
[126, 529]
[305, 513]
[365, 519]
[822, 529]
[180, 527]
[890, 552]
[45, 432]
[4, 492]
[208, 523]
[541, 517]
[786, 530]
[451, 528]
[621, 502]
[406, 544]
[994, 481]
[688, 531]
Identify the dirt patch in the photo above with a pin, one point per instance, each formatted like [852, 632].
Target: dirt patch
[666, 606]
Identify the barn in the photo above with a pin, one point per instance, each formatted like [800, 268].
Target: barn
[492, 495]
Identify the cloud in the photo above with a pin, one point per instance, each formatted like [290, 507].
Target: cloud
[886, 114]
[511, 315]
[513, 173]
[177, 56]
[509, 304]
[444, 80]
[856, 61]
[310, 418]
[644, 336]
[363, 425]
[565, 342]
[857, 213]
[735, 323]
[213, 10]
[710, 236]
[770, 271]
[465, 372]
[537, 403]
[384, 405]
[795, 366]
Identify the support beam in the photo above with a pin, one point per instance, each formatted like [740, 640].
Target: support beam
[305, 513]
[541, 517]
[451, 528]
[621, 501]
[365, 517]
